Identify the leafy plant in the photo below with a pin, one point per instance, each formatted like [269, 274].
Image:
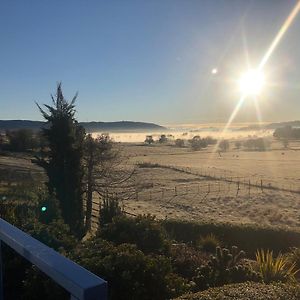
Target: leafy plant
[109, 209]
[275, 268]
[209, 243]
[186, 259]
[143, 231]
[224, 267]
[130, 273]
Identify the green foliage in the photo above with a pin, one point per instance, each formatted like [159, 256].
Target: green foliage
[130, 273]
[143, 231]
[247, 291]
[56, 234]
[109, 209]
[209, 243]
[224, 267]
[275, 268]
[36, 286]
[63, 161]
[186, 260]
[248, 237]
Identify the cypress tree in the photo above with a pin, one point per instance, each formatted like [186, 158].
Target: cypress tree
[63, 158]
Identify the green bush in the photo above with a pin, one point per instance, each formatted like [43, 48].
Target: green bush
[143, 231]
[224, 267]
[248, 237]
[56, 234]
[130, 273]
[186, 260]
[247, 291]
[109, 209]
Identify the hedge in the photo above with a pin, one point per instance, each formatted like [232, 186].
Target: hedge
[246, 237]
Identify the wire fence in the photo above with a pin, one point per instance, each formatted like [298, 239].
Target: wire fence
[230, 177]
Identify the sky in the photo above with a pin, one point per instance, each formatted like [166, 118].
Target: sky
[147, 60]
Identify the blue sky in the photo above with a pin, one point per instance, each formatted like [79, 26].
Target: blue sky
[146, 60]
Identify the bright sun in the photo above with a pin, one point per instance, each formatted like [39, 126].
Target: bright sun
[251, 83]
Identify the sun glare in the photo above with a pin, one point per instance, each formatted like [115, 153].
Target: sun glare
[251, 83]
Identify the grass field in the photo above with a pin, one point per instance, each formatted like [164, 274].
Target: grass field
[201, 185]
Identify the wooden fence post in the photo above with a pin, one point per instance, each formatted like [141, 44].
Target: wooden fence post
[249, 187]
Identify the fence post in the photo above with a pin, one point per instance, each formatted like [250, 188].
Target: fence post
[261, 185]
[238, 185]
[208, 188]
[175, 190]
[162, 193]
[249, 187]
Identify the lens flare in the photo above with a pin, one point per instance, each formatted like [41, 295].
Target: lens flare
[251, 83]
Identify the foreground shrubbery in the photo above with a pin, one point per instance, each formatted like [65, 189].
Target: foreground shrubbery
[143, 231]
[130, 273]
[140, 261]
[247, 291]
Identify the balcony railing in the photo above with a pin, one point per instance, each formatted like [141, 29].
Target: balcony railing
[79, 282]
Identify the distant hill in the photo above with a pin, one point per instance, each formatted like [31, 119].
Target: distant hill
[89, 126]
[282, 124]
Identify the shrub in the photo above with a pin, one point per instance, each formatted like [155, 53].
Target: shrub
[224, 267]
[247, 291]
[56, 234]
[149, 139]
[143, 231]
[163, 139]
[37, 285]
[209, 243]
[130, 273]
[186, 260]
[109, 209]
[275, 268]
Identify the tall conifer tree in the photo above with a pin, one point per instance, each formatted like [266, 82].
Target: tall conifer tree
[63, 159]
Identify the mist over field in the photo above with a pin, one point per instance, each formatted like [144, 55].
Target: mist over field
[188, 131]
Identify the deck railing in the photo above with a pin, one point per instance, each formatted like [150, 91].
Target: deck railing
[79, 282]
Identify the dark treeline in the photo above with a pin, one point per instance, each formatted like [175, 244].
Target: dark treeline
[287, 132]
